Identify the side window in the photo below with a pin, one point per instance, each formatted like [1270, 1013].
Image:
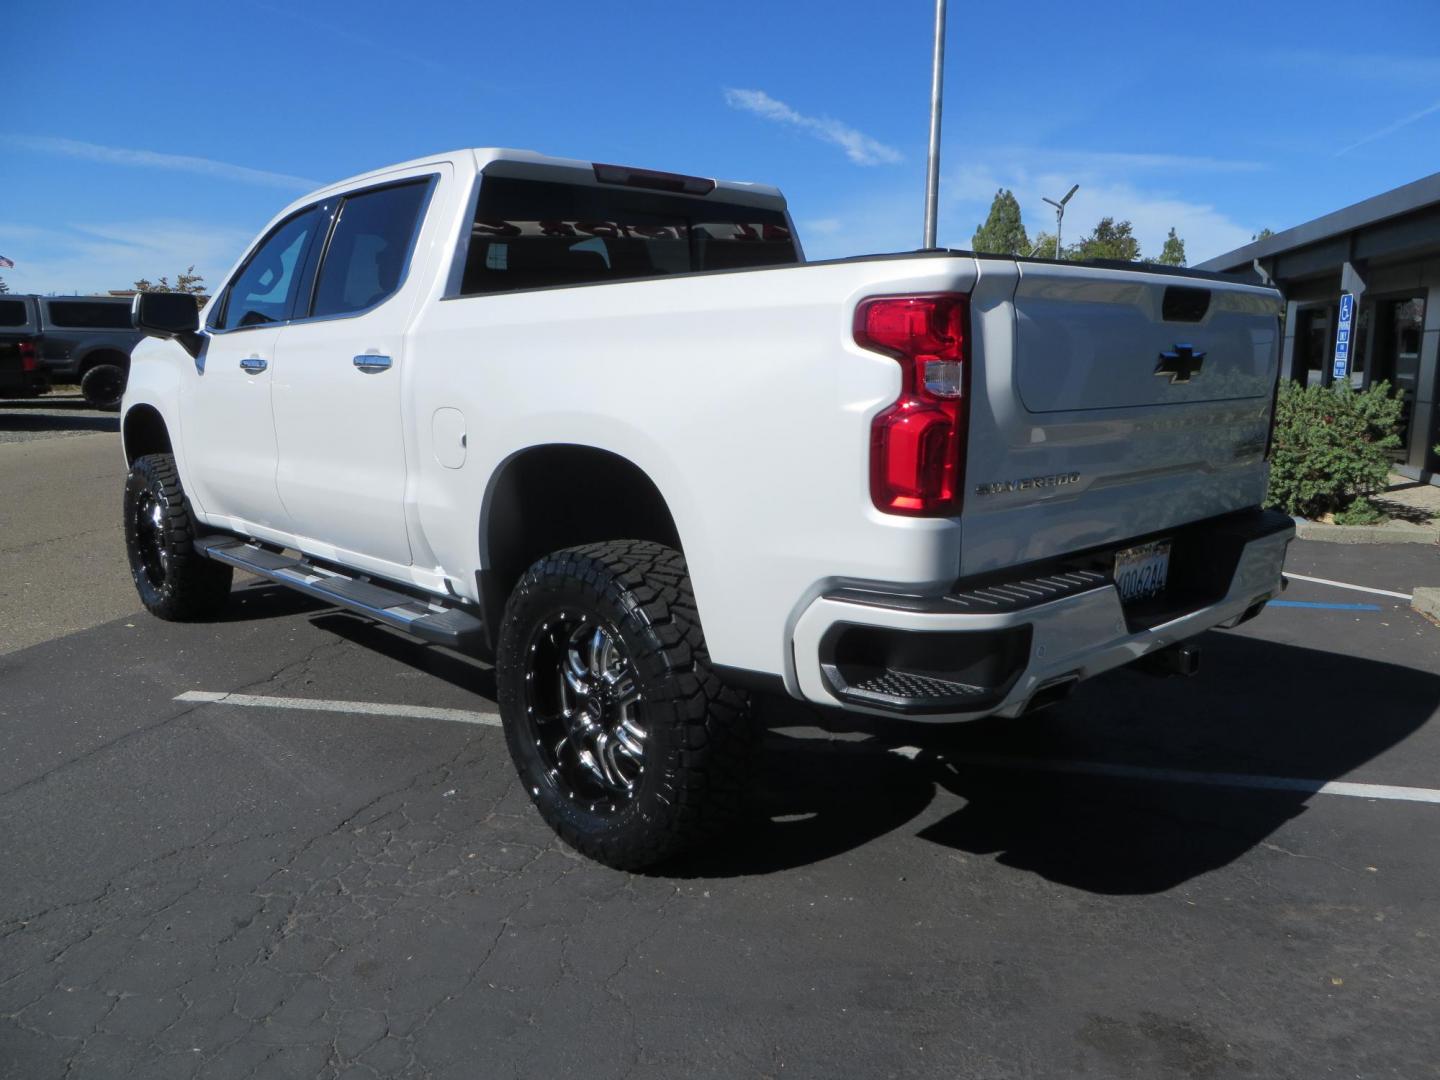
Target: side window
[369, 248]
[89, 314]
[12, 313]
[265, 289]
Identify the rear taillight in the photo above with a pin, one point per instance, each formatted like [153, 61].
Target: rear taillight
[917, 445]
[29, 361]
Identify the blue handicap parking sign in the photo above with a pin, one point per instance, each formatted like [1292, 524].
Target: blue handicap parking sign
[1342, 336]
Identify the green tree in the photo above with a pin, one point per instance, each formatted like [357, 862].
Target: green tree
[1263, 234]
[1044, 248]
[1109, 240]
[1173, 254]
[1003, 232]
[3, 287]
[187, 282]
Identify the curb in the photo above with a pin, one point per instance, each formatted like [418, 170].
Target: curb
[1426, 600]
[1366, 534]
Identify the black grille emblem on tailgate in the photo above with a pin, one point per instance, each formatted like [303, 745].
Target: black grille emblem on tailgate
[1181, 364]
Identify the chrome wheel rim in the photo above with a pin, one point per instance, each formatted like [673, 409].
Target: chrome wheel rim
[151, 553]
[583, 705]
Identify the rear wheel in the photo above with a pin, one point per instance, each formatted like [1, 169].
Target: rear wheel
[630, 746]
[174, 581]
[103, 386]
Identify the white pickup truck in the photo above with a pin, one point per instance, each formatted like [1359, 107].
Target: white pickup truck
[565, 415]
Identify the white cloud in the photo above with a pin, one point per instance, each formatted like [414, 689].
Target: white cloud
[334, 29]
[859, 147]
[150, 159]
[1207, 232]
[869, 224]
[1109, 160]
[96, 258]
[1390, 129]
[1345, 67]
[1109, 187]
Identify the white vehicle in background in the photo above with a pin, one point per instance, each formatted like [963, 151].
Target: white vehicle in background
[607, 427]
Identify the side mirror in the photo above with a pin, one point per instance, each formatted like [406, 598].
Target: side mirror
[168, 315]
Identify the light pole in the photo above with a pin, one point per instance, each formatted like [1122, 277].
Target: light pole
[1060, 215]
[937, 86]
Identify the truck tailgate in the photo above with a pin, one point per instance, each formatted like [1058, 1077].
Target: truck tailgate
[1110, 404]
[1087, 343]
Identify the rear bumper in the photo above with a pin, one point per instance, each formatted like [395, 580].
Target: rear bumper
[992, 648]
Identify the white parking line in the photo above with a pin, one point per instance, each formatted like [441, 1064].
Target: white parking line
[990, 761]
[369, 708]
[1346, 585]
[1211, 779]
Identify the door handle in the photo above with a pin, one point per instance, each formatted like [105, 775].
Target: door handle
[254, 364]
[371, 364]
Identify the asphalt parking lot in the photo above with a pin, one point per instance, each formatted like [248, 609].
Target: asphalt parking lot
[55, 415]
[289, 843]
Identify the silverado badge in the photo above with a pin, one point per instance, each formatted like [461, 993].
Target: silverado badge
[1028, 483]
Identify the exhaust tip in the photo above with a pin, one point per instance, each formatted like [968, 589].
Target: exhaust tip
[1051, 693]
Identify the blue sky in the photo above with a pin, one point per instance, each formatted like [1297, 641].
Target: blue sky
[138, 140]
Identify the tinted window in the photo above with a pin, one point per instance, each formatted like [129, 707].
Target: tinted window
[533, 233]
[265, 288]
[12, 313]
[89, 314]
[368, 248]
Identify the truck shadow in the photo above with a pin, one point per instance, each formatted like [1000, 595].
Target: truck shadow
[44, 414]
[828, 783]
[253, 599]
[458, 670]
[1261, 708]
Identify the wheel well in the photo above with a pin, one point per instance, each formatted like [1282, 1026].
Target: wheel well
[104, 356]
[144, 432]
[552, 497]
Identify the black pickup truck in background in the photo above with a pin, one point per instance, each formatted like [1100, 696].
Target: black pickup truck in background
[21, 373]
[85, 340]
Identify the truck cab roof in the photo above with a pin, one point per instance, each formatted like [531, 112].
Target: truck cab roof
[521, 163]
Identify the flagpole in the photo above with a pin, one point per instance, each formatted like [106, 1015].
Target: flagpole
[937, 89]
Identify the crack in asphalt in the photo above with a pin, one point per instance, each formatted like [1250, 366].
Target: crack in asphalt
[147, 729]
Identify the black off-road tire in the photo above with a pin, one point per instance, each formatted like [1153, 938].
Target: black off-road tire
[174, 581]
[699, 735]
[103, 386]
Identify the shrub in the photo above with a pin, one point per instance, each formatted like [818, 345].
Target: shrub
[1361, 512]
[1331, 445]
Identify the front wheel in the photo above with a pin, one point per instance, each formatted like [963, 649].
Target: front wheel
[628, 743]
[175, 582]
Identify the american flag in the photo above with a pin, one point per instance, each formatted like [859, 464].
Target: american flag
[6, 263]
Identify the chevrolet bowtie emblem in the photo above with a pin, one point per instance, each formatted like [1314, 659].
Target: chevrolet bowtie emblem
[1181, 364]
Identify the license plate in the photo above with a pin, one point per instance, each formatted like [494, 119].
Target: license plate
[1140, 572]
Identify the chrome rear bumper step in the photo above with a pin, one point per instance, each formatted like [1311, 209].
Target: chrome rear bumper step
[426, 619]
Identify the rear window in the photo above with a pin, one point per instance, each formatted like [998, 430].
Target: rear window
[12, 313]
[89, 314]
[369, 248]
[531, 234]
